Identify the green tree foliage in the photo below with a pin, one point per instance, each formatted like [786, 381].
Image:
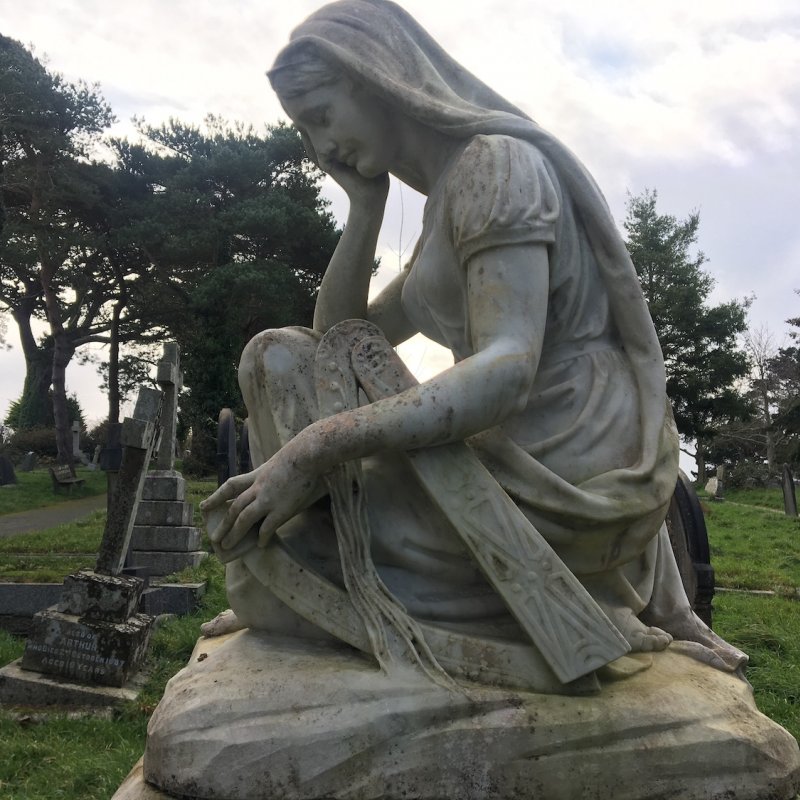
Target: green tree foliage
[48, 260]
[699, 341]
[236, 239]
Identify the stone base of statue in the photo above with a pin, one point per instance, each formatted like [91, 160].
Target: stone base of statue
[254, 717]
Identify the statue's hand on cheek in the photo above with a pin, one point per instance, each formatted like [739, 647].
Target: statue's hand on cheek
[368, 192]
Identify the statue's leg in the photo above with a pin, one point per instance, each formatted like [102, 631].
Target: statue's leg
[669, 608]
[276, 376]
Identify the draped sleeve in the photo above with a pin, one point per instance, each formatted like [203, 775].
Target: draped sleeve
[501, 192]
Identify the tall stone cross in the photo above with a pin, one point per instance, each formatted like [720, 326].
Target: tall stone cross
[170, 379]
[139, 438]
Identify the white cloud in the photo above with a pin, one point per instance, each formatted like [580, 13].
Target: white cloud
[697, 99]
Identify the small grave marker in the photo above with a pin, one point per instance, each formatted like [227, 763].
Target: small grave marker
[7, 475]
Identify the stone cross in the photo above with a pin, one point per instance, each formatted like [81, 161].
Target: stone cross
[139, 439]
[789, 495]
[76, 439]
[170, 380]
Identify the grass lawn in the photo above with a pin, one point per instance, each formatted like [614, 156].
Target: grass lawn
[47, 556]
[50, 755]
[35, 490]
[753, 544]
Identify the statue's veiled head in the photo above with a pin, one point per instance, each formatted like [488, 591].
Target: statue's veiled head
[381, 48]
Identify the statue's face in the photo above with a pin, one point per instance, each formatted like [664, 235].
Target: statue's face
[346, 125]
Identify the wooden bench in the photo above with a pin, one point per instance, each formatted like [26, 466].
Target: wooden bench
[64, 479]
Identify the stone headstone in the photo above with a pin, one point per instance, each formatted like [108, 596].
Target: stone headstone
[719, 494]
[789, 494]
[689, 539]
[76, 439]
[711, 486]
[226, 446]
[7, 475]
[170, 380]
[29, 462]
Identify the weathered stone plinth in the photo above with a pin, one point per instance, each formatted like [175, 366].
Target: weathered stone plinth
[21, 687]
[100, 597]
[164, 539]
[87, 650]
[257, 717]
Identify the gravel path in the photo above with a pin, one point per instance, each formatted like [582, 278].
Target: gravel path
[41, 518]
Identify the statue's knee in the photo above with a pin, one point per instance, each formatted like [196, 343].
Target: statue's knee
[276, 353]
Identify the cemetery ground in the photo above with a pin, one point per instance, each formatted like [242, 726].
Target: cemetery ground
[69, 755]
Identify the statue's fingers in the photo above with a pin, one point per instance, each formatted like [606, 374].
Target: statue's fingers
[266, 530]
[224, 525]
[230, 489]
[249, 517]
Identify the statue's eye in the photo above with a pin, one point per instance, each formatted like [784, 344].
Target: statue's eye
[319, 117]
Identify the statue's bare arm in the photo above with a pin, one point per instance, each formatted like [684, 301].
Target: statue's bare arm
[507, 298]
[345, 286]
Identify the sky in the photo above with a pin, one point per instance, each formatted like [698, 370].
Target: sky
[697, 100]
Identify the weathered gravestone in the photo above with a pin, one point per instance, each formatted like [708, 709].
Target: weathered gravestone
[716, 486]
[7, 475]
[94, 635]
[165, 539]
[689, 539]
[29, 462]
[789, 495]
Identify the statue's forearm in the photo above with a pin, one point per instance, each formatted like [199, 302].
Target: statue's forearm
[344, 289]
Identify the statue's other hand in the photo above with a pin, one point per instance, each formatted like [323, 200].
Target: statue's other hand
[267, 497]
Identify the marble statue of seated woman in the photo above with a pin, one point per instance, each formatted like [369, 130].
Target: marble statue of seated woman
[558, 385]
[461, 588]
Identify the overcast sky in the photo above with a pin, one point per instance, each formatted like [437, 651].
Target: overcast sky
[699, 99]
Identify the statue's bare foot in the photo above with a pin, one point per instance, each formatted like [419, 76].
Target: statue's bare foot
[642, 638]
[224, 622]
